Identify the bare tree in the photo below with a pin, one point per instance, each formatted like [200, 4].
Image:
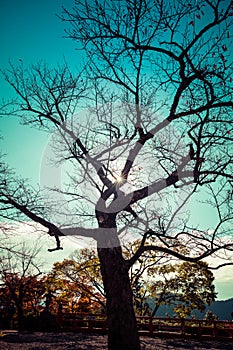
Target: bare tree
[157, 87]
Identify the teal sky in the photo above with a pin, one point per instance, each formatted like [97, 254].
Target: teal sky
[30, 31]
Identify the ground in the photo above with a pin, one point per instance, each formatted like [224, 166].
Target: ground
[74, 341]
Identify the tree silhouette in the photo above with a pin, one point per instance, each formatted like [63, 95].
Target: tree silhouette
[157, 77]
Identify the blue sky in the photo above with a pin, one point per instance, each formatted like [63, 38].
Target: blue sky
[30, 31]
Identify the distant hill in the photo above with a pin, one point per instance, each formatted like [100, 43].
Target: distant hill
[221, 308]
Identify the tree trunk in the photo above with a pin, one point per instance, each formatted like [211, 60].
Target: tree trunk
[18, 299]
[20, 317]
[122, 325]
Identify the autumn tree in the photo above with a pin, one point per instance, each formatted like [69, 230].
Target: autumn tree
[76, 283]
[186, 287]
[157, 128]
[62, 290]
[21, 286]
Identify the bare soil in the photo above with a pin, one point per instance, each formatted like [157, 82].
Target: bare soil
[74, 341]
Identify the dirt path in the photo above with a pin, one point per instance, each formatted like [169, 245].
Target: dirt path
[73, 341]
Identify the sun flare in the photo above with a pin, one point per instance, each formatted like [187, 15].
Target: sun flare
[119, 179]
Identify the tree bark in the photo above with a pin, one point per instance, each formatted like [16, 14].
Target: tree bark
[121, 320]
